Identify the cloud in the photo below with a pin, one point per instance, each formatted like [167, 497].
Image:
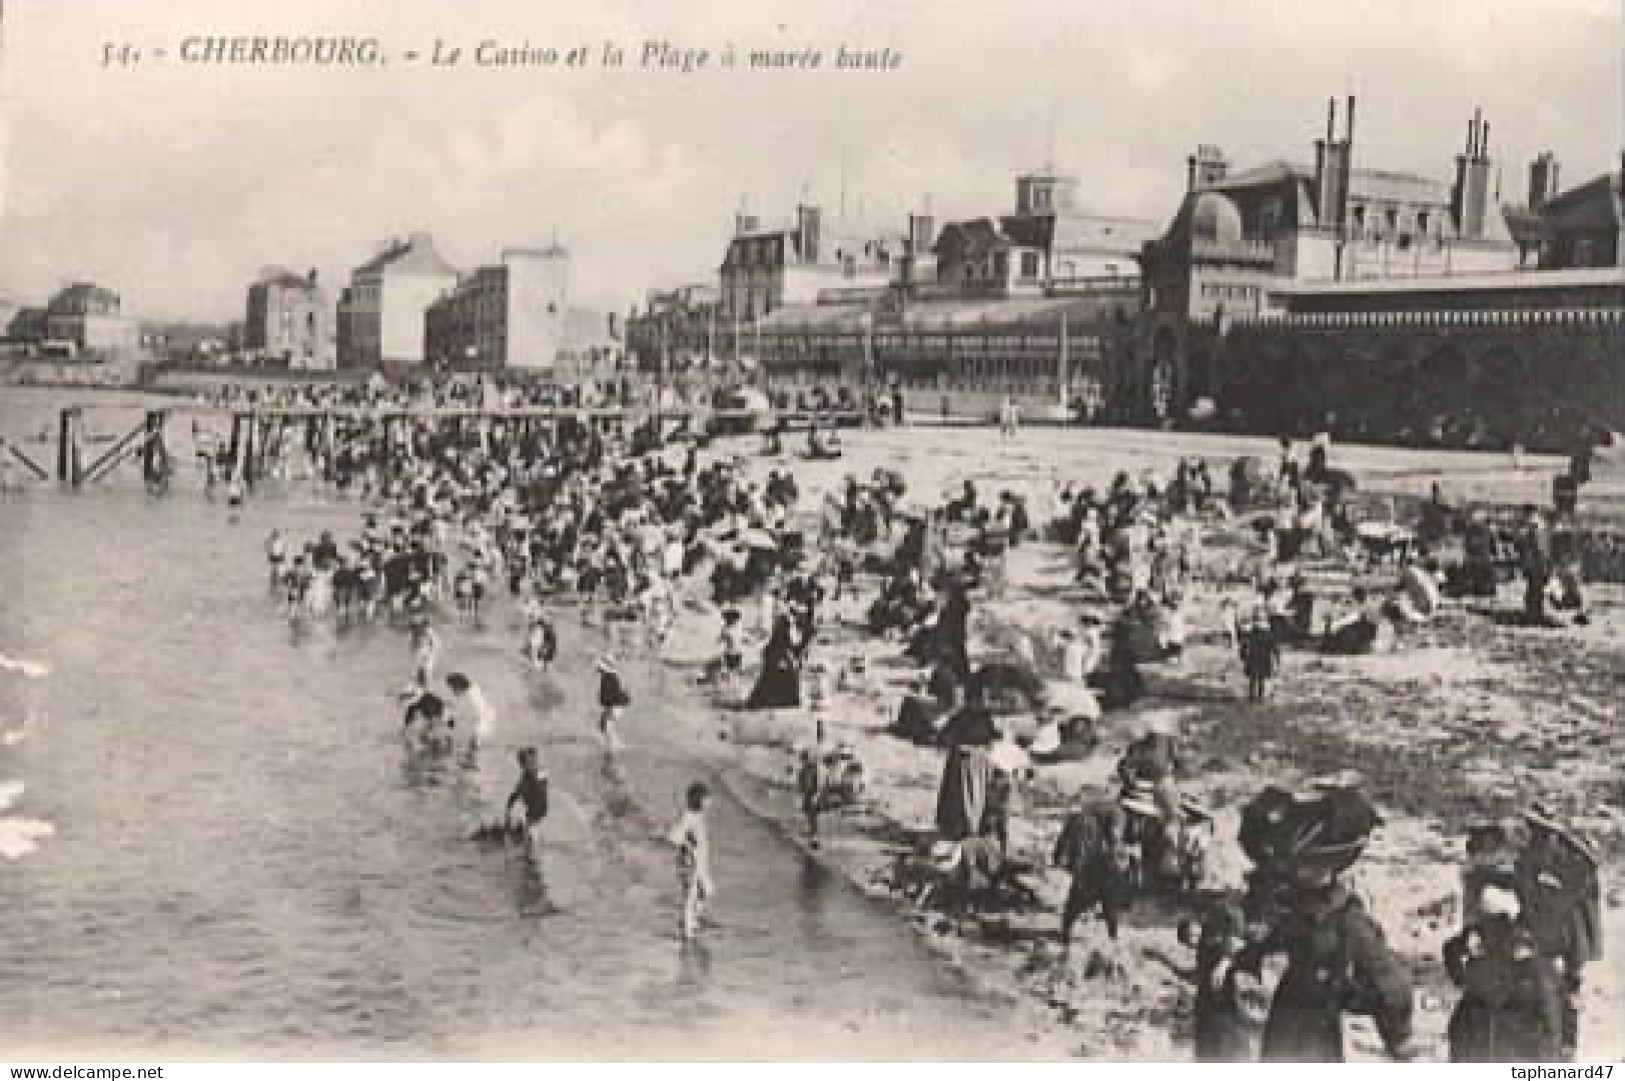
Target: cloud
[175, 185]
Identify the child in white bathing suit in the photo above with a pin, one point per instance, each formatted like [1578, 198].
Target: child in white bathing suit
[694, 884]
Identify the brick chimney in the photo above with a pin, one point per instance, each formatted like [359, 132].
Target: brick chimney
[922, 233]
[1205, 168]
[1542, 179]
[809, 234]
[1333, 163]
[1470, 196]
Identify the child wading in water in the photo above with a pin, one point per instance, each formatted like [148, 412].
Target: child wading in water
[612, 701]
[531, 793]
[693, 859]
[541, 643]
[810, 783]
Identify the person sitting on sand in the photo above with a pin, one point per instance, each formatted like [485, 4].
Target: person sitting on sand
[1062, 737]
[1419, 594]
[1564, 601]
[1353, 632]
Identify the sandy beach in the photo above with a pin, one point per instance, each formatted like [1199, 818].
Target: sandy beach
[1453, 722]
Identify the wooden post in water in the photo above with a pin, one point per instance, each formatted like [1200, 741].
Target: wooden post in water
[244, 464]
[69, 453]
[152, 451]
[235, 451]
[330, 445]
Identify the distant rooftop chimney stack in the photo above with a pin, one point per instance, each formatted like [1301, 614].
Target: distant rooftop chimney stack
[1470, 195]
[809, 232]
[1543, 177]
[1206, 168]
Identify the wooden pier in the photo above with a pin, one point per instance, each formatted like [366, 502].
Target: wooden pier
[258, 430]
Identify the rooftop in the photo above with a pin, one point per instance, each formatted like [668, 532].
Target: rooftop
[415, 255]
[1378, 184]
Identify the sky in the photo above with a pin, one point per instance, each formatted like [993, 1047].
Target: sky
[175, 184]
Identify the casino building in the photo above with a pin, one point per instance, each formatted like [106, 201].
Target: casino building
[1385, 306]
[1377, 304]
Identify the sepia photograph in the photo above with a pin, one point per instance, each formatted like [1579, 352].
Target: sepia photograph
[811, 530]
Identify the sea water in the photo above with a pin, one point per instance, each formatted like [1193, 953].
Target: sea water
[214, 843]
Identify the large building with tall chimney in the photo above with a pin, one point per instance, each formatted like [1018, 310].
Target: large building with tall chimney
[1384, 305]
[1238, 234]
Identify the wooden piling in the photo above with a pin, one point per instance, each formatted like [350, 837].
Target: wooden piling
[69, 451]
[152, 452]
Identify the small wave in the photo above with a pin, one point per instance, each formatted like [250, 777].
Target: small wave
[31, 669]
[11, 736]
[21, 836]
[10, 793]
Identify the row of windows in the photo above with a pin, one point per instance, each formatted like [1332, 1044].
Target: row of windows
[1388, 221]
[765, 251]
[1228, 291]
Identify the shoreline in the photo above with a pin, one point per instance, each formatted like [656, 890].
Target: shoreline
[1140, 1010]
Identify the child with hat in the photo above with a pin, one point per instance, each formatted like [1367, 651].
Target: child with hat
[1260, 654]
[732, 640]
[612, 700]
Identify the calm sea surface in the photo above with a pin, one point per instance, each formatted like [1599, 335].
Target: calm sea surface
[243, 862]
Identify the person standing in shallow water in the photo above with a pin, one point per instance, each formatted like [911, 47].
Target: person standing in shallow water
[690, 835]
[530, 793]
[612, 701]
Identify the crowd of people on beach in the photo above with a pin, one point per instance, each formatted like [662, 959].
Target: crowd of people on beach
[631, 535]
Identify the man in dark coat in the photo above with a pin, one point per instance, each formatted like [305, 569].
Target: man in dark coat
[1091, 850]
[1223, 1029]
[1511, 1007]
[1337, 962]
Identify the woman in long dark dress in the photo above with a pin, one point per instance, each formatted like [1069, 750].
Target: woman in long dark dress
[779, 684]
